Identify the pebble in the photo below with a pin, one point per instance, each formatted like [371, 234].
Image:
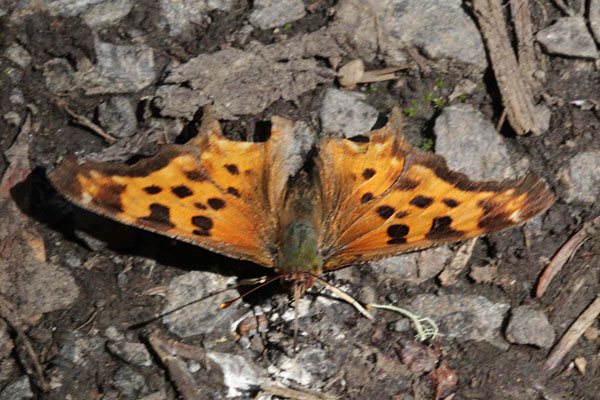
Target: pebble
[582, 177]
[344, 112]
[17, 390]
[460, 131]
[530, 326]
[18, 55]
[272, 13]
[569, 36]
[117, 117]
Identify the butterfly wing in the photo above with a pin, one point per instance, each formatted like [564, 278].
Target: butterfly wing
[382, 198]
[212, 192]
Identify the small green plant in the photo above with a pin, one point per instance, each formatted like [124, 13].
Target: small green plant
[427, 144]
[439, 102]
[372, 88]
[287, 27]
[439, 83]
[409, 112]
[428, 97]
[462, 97]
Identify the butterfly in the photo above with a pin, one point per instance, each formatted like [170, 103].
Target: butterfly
[353, 201]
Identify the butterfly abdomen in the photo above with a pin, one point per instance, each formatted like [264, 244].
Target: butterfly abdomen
[299, 250]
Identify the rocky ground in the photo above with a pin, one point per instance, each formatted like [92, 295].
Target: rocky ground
[84, 301]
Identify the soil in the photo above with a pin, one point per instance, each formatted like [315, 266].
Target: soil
[366, 364]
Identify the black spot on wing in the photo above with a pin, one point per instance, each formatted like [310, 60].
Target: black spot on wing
[366, 198]
[421, 201]
[385, 211]
[159, 215]
[216, 203]
[440, 229]
[204, 225]
[397, 234]
[200, 206]
[232, 168]
[152, 189]
[450, 203]
[182, 191]
[368, 173]
[233, 191]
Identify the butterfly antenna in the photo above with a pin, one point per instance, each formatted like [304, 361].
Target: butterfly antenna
[297, 296]
[230, 302]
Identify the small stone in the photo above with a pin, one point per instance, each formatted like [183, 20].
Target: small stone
[78, 349]
[6, 343]
[16, 97]
[17, 390]
[463, 317]
[343, 112]
[129, 382]
[530, 326]
[594, 18]
[133, 353]
[569, 36]
[272, 13]
[119, 69]
[582, 177]
[117, 117]
[107, 12]
[59, 76]
[591, 333]
[454, 131]
[200, 317]
[18, 55]
[13, 118]
[239, 374]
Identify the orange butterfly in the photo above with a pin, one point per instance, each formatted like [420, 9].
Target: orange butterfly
[355, 201]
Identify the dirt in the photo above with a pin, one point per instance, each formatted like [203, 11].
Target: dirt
[123, 263]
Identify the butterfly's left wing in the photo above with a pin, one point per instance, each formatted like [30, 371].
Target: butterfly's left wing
[382, 198]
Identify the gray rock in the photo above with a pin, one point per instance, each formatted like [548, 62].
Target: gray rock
[117, 117]
[129, 351]
[530, 326]
[594, 18]
[12, 118]
[181, 15]
[43, 287]
[439, 28]
[416, 267]
[107, 12]
[271, 13]
[16, 97]
[569, 36]
[343, 112]
[59, 76]
[17, 390]
[129, 382]
[80, 349]
[67, 8]
[239, 374]
[119, 69]
[245, 82]
[204, 316]
[17, 54]
[464, 317]
[582, 177]
[471, 145]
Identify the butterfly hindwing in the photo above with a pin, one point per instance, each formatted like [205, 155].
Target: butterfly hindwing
[421, 204]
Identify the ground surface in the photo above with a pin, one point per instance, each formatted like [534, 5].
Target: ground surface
[112, 276]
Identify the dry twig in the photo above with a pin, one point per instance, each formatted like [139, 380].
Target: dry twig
[583, 322]
[516, 92]
[561, 258]
[84, 121]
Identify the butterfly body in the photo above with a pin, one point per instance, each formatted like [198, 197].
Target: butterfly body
[356, 202]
